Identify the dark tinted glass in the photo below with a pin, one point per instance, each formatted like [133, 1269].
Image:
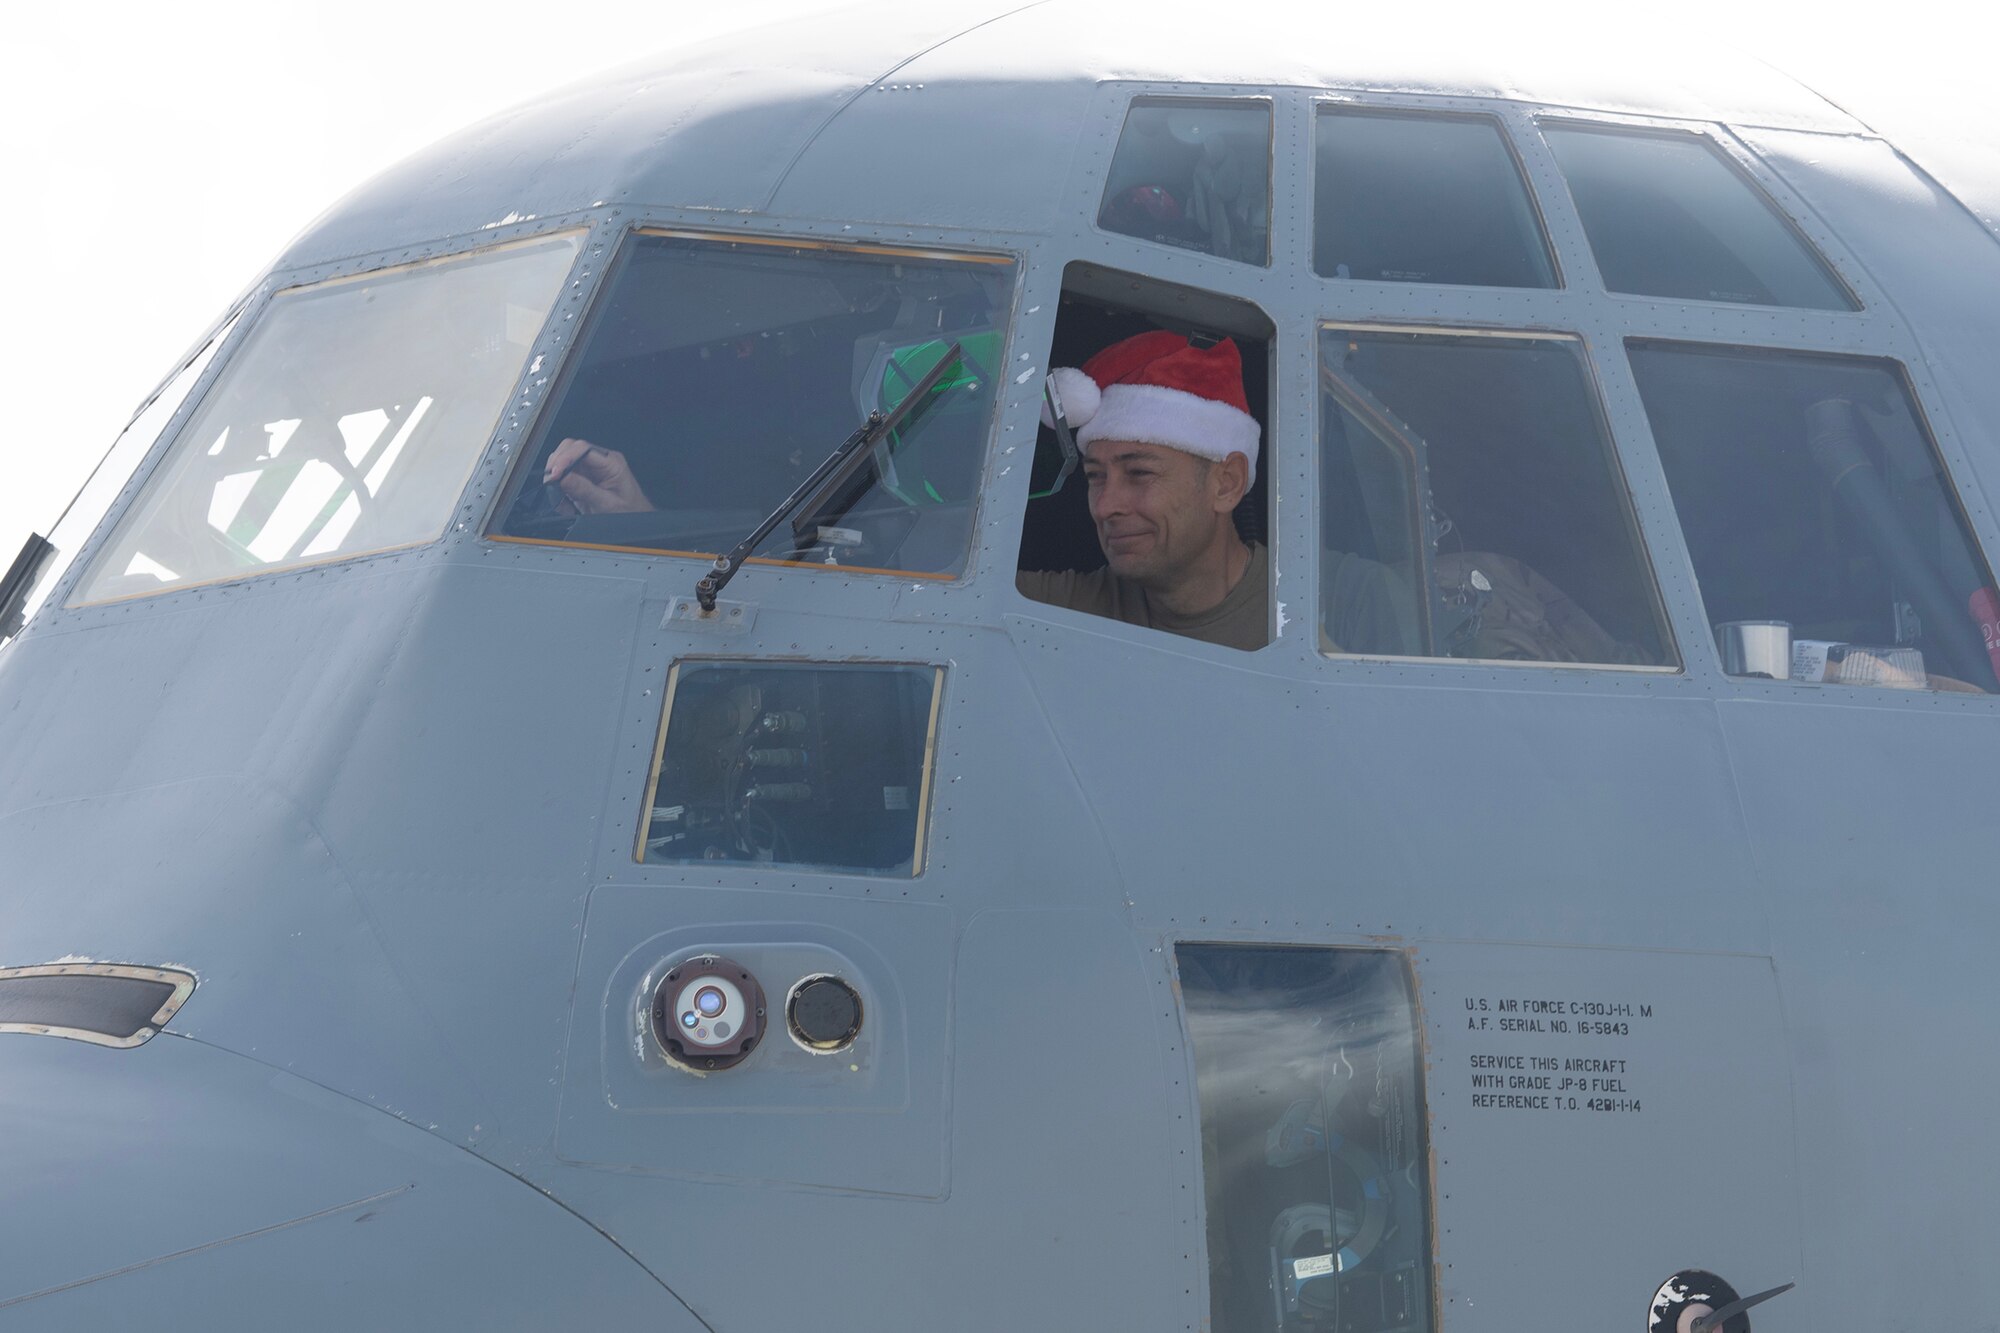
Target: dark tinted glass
[1668, 216]
[716, 376]
[1423, 199]
[794, 763]
[1196, 175]
[1470, 506]
[1313, 1138]
[1812, 498]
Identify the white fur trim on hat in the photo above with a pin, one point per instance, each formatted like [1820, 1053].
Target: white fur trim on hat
[1155, 414]
[1078, 393]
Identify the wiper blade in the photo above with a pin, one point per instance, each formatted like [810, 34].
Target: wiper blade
[1715, 1319]
[20, 581]
[831, 488]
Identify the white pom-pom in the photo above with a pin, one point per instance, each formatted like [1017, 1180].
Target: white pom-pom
[1079, 394]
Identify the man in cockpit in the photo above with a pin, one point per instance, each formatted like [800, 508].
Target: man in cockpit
[1169, 450]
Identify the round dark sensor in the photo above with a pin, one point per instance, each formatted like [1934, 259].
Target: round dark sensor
[825, 1013]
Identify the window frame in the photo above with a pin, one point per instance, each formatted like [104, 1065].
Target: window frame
[1137, 95]
[1618, 475]
[1322, 107]
[604, 287]
[926, 806]
[246, 320]
[1784, 209]
[1951, 482]
[1173, 297]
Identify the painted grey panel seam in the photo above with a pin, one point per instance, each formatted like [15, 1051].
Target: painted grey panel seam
[870, 87]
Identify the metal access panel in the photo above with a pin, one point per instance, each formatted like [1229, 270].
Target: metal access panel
[1601, 1119]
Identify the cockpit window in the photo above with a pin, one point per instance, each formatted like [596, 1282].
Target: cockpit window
[1825, 535]
[1194, 174]
[348, 423]
[1314, 1152]
[1667, 215]
[1399, 198]
[1471, 507]
[718, 374]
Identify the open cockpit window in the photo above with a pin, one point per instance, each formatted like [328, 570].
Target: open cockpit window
[815, 764]
[1154, 511]
[1194, 174]
[1403, 198]
[1471, 506]
[1825, 534]
[349, 422]
[1668, 215]
[1314, 1152]
[718, 374]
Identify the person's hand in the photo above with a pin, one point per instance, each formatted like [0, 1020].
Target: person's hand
[594, 480]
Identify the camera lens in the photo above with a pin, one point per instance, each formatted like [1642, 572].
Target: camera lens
[689, 1019]
[709, 1001]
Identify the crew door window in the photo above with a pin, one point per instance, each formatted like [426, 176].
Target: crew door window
[1471, 506]
[1314, 1152]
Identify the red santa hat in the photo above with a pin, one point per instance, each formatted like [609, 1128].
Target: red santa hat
[1158, 388]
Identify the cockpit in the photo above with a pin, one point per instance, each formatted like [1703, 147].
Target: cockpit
[1479, 473]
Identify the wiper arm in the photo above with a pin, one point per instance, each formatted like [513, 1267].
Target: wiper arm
[831, 485]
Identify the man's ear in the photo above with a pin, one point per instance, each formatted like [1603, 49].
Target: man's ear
[1231, 480]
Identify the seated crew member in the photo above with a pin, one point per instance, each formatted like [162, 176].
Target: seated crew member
[1169, 450]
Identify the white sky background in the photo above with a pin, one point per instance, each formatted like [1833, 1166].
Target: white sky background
[161, 156]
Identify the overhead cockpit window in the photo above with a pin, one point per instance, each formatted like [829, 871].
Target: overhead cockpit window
[717, 375]
[1314, 1152]
[1471, 506]
[1667, 215]
[1194, 174]
[1826, 538]
[348, 423]
[1399, 198]
[794, 763]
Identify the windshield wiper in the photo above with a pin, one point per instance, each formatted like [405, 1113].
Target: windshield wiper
[1715, 1319]
[20, 581]
[832, 488]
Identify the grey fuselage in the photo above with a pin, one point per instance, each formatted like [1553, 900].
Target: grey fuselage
[384, 809]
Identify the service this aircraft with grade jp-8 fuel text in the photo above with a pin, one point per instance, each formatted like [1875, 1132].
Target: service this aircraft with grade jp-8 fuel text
[750, 893]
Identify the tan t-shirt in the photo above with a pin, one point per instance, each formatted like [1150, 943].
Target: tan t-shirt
[1370, 608]
[1240, 620]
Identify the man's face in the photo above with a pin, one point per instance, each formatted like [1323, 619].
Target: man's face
[1155, 509]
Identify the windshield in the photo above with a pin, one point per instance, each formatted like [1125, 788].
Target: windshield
[90, 504]
[349, 422]
[717, 375]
